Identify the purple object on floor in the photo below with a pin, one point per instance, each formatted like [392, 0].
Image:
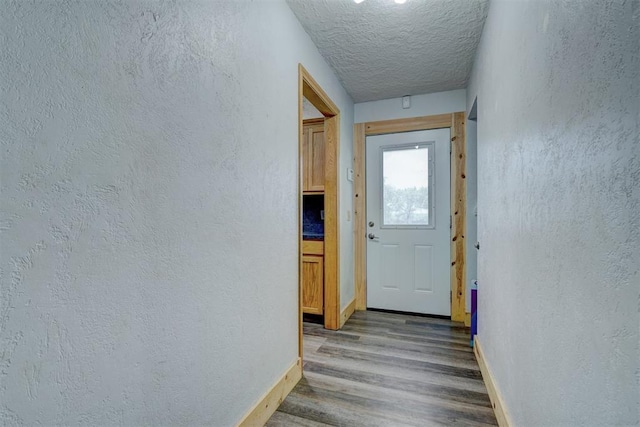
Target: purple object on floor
[474, 314]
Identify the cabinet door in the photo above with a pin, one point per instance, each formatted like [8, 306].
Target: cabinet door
[316, 158]
[312, 284]
[306, 156]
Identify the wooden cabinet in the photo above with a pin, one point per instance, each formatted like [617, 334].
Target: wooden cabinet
[313, 158]
[312, 284]
[313, 155]
[312, 277]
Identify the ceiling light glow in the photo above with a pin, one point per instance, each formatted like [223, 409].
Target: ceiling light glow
[400, 1]
[358, 1]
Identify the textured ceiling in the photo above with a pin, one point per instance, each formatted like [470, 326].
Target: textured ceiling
[380, 49]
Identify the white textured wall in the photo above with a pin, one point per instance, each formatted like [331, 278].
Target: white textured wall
[558, 200]
[149, 208]
[421, 105]
[347, 273]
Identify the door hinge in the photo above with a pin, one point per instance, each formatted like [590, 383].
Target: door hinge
[450, 222]
[450, 297]
[450, 147]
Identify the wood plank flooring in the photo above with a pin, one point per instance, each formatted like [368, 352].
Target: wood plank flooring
[387, 369]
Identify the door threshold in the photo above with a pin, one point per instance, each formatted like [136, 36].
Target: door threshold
[433, 316]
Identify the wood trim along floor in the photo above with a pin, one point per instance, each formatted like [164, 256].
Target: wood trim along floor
[497, 403]
[347, 312]
[269, 403]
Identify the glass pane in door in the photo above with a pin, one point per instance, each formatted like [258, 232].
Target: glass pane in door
[406, 186]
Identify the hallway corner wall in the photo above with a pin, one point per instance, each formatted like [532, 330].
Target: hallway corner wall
[558, 209]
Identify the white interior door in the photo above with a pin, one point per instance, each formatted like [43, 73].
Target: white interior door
[408, 223]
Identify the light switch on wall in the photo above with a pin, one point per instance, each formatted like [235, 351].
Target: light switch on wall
[348, 215]
[406, 102]
[349, 174]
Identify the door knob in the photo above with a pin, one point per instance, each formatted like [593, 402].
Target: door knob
[372, 236]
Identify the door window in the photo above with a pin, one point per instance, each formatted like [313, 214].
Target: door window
[407, 186]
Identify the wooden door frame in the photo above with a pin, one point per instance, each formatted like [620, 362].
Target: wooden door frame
[310, 89]
[456, 123]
